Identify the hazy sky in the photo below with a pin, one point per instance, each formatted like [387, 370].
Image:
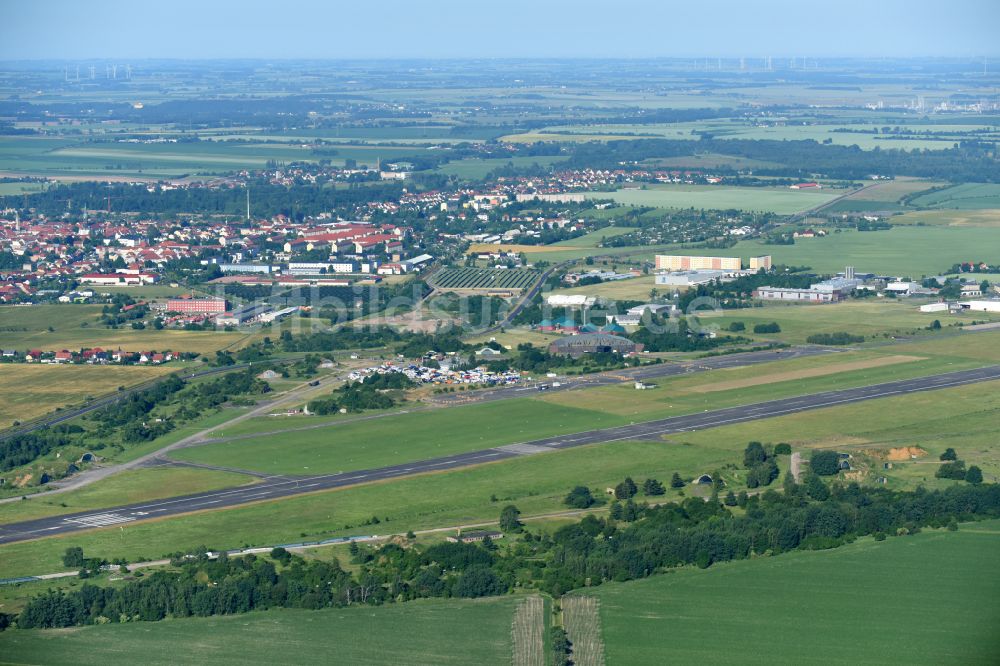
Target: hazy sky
[135, 29]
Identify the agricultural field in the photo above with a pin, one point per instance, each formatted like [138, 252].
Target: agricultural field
[33, 390]
[988, 217]
[13, 189]
[871, 318]
[903, 251]
[424, 632]
[968, 196]
[61, 158]
[894, 190]
[76, 326]
[783, 201]
[487, 279]
[914, 137]
[874, 606]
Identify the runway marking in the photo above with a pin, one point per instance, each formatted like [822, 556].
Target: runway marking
[524, 449]
[99, 520]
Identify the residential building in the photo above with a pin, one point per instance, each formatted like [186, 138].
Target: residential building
[197, 305]
[672, 262]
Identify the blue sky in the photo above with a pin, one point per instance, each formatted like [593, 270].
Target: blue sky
[79, 29]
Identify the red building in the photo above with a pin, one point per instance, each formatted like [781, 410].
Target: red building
[197, 305]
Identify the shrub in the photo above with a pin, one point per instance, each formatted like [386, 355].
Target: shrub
[825, 463]
[840, 338]
[580, 498]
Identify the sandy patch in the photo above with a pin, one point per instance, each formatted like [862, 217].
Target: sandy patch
[805, 373]
[905, 453]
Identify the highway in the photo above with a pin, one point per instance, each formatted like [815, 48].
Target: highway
[279, 487]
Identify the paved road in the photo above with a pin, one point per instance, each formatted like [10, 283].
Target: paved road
[286, 487]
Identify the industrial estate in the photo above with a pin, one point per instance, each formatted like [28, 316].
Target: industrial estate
[577, 362]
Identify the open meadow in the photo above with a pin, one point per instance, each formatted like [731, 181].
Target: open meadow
[398, 438]
[33, 390]
[76, 326]
[929, 598]
[425, 632]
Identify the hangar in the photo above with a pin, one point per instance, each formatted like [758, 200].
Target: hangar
[593, 343]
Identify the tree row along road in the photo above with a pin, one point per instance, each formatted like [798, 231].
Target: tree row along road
[287, 487]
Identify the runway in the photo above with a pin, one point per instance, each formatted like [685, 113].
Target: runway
[278, 487]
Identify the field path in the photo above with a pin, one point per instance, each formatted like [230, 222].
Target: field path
[795, 467]
[527, 632]
[582, 619]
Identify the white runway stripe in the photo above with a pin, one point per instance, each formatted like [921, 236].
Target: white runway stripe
[100, 519]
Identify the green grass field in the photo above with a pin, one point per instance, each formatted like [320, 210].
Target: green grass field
[76, 326]
[632, 289]
[870, 317]
[33, 390]
[428, 632]
[930, 598]
[776, 200]
[904, 250]
[968, 196]
[140, 485]
[393, 439]
[594, 238]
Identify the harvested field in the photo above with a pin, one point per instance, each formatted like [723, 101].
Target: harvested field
[582, 620]
[805, 373]
[526, 632]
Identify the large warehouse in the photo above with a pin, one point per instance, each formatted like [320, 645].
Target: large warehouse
[593, 343]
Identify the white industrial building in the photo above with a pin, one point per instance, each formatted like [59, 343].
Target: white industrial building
[692, 278]
[795, 295]
[570, 300]
[988, 305]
